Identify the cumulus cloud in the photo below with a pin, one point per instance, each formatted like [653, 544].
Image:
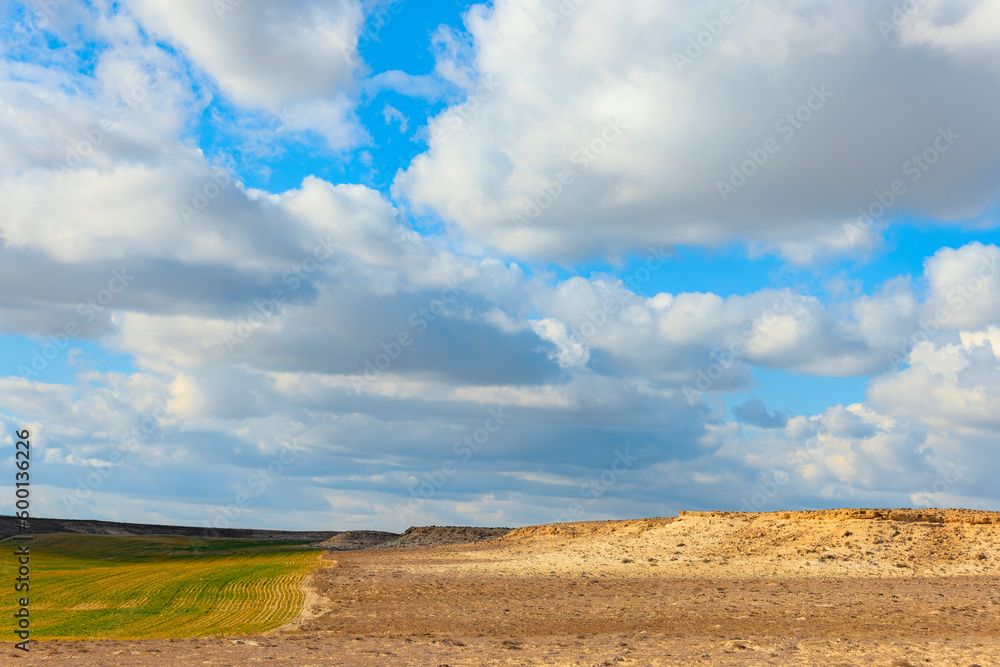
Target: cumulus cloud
[951, 385]
[298, 57]
[963, 29]
[264, 53]
[964, 286]
[771, 122]
[123, 107]
[925, 435]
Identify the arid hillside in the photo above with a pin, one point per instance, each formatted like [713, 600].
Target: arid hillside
[424, 536]
[841, 543]
[890, 588]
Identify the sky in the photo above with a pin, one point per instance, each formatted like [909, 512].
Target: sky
[368, 265]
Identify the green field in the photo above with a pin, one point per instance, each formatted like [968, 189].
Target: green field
[98, 587]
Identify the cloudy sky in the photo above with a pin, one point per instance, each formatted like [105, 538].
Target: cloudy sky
[356, 264]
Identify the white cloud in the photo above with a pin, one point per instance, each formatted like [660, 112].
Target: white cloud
[964, 286]
[952, 386]
[571, 352]
[926, 434]
[425, 85]
[967, 29]
[264, 53]
[298, 56]
[642, 139]
[394, 115]
[133, 102]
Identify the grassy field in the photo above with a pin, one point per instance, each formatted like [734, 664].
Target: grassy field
[98, 587]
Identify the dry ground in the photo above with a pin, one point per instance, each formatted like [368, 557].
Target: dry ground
[843, 587]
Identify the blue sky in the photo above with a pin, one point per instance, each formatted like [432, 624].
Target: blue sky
[373, 265]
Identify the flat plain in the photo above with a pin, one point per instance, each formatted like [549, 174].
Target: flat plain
[839, 587]
[95, 586]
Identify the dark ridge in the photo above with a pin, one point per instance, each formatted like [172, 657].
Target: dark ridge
[9, 526]
[441, 535]
[356, 539]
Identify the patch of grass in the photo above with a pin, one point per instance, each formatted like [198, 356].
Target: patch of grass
[98, 587]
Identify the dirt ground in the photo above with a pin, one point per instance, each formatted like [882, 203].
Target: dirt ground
[644, 650]
[833, 588]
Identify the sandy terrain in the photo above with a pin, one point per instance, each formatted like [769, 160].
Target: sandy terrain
[841, 587]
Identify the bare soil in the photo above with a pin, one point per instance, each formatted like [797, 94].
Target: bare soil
[841, 587]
